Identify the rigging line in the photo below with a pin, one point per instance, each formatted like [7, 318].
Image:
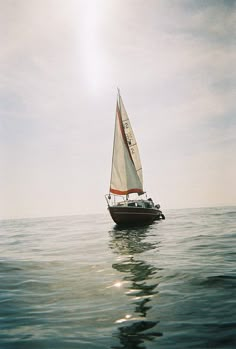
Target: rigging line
[113, 151]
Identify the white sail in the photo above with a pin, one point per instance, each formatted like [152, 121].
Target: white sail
[131, 141]
[126, 174]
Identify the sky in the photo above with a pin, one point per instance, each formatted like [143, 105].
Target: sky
[61, 62]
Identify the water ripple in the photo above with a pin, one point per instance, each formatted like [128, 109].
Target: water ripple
[77, 282]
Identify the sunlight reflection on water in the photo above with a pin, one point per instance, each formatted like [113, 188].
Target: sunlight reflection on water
[68, 283]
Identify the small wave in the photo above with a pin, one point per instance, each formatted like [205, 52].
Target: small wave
[220, 281]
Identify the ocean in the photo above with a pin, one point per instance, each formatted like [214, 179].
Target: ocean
[81, 282]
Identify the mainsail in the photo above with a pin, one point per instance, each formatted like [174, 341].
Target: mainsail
[126, 173]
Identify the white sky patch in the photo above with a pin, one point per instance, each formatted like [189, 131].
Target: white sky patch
[91, 50]
[60, 64]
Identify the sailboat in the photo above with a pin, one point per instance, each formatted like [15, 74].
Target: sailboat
[127, 178]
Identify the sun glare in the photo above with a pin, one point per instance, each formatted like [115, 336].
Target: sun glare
[91, 43]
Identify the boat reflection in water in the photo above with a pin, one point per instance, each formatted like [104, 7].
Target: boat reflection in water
[141, 279]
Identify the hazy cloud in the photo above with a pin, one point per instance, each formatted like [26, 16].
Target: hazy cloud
[60, 64]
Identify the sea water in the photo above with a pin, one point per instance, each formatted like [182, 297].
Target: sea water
[81, 282]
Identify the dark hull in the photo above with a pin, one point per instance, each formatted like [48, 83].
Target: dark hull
[134, 215]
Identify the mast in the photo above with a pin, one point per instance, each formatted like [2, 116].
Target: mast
[113, 151]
